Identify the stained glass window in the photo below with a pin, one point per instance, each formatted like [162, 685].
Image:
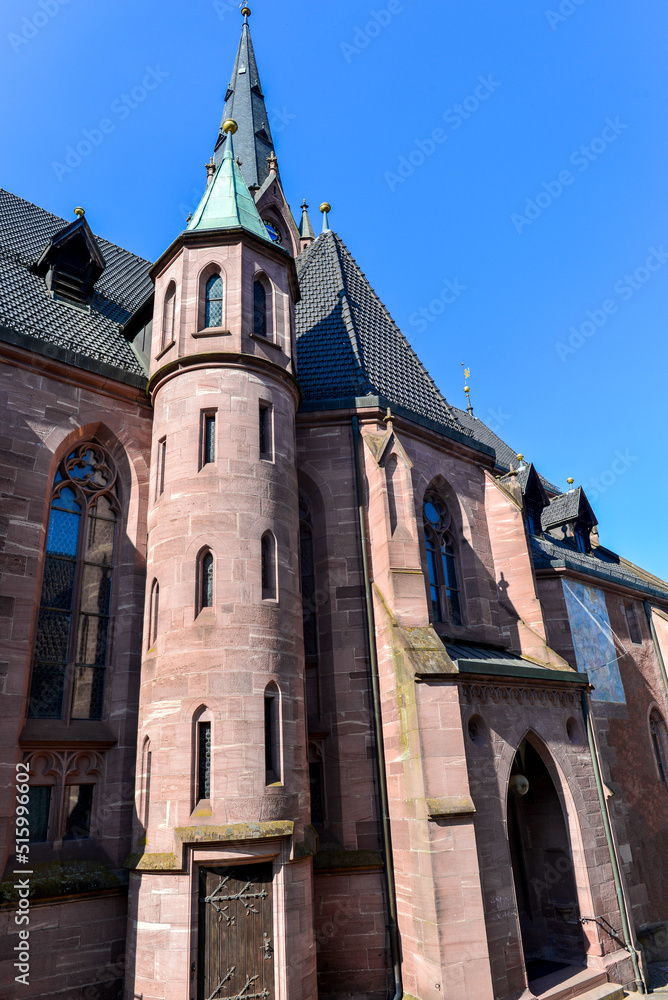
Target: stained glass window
[73, 629]
[259, 309]
[208, 438]
[214, 301]
[441, 563]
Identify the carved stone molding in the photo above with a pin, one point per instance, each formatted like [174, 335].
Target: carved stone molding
[63, 765]
[516, 694]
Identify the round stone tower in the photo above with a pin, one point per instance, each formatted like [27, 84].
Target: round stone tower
[222, 852]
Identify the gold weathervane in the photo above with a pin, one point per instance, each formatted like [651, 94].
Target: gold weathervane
[467, 388]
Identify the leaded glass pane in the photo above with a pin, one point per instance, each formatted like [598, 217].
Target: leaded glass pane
[58, 583]
[100, 541]
[259, 310]
[88, 693]
[92, 640]
[96, 589]
[78, 807]
[46, 695]
[433, 578]
[38, 812]
[214, 301]
[63, 533]
[52, 634]
[209, 438]
[207, 581]
[204, 771]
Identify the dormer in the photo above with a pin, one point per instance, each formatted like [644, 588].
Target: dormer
[71, 263]
[570, 518]
[527, 484]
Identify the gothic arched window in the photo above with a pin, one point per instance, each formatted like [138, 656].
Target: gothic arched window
[441, 562]
[259, 309]
[307, 578]
[206, 572]
[213, 313]
[73, 630]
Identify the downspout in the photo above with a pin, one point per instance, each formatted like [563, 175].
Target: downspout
[657, 647]
[616, 873]
[378, 726]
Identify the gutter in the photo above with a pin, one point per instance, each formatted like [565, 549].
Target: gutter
[612, 849]
[393, 927]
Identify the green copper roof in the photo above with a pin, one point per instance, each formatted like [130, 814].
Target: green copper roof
[227, 202]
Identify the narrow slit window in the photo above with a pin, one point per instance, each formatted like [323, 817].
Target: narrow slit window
[206, 581]
[154, 611]
[169, 315]
[208, 438]
[268, 567]
[659, 736]
[259, 309]
[77, 812]
[162, 463]
[317, 794]
[147, 790]
[266, 431]
[204, 761]
[213, 314]
[272, 736]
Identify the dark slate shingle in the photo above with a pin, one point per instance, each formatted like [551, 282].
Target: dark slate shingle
[27, 308]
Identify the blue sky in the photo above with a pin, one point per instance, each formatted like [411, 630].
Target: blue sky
[516, 151]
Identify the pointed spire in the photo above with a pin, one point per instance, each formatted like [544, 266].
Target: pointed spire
[244, 102]
[227, 202]
[305, 228]
[325, 208]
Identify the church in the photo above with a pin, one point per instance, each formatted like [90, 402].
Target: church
[315, 688]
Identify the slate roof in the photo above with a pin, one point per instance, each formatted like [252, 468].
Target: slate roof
[26, 307]
[348, 346]
[600, 563]
[244, 102]
[563, 508]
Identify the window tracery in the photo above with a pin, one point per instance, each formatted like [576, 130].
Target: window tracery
[444, 588]
[72, 644]
[214, 302]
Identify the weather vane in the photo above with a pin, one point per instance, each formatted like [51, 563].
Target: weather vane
[467, 388]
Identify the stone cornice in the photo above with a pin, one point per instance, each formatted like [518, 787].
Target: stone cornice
[223, 359]
[485, 690]
[563, 567]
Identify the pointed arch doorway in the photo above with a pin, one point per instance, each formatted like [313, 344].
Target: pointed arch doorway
[543, 869]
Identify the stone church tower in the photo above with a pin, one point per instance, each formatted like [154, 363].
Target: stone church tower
[222, 712]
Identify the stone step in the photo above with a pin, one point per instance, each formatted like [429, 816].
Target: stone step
[576, 984]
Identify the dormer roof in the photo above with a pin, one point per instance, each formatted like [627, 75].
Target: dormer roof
[569, 507]
[72, 262]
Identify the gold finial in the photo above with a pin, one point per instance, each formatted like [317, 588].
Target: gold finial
[245, 10]
[520, 458]
[80, 212]
[570, 480]
[467, 389]
[325, 207]
[229, 125]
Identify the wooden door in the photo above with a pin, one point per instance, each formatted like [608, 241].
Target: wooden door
[236, 947]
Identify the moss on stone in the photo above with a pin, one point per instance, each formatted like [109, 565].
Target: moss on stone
[234, 831]
[51, 879]
[152, 863]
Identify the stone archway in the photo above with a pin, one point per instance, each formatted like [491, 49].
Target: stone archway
[543, 868]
